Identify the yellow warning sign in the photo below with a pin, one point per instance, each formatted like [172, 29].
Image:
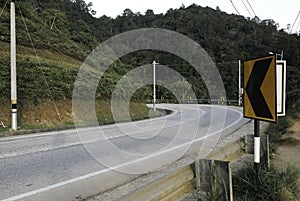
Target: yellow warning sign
[260, 89]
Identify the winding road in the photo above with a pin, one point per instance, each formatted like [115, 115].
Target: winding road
[74, 164]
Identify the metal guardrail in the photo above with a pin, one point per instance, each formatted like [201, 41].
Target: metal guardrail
[171, 187]
[174, 186]
[196, 101]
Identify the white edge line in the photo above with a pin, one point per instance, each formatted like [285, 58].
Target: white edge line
[115, 167]
[75, 130]
[8, 155]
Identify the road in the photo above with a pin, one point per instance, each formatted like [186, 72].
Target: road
[74, 164]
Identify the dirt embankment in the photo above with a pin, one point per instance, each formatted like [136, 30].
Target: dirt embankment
[288, 152]
[58, 113]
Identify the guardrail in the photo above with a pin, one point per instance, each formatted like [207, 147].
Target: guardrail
[171, 187]
[196, 101]
[175, 186]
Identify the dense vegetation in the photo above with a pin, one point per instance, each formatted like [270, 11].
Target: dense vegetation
[268, 184]
[64, 32]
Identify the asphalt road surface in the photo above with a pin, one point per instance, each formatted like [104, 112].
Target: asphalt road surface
[74, 164]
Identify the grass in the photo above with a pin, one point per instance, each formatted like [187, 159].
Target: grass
[276, 132]
[40, 56]
[40, 72]
[44, 116]
[273, 183]
[267, 185]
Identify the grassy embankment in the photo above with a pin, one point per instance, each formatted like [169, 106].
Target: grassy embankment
[279, 183]
[45, 84]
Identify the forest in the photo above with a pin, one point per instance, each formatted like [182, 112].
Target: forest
[54, 38]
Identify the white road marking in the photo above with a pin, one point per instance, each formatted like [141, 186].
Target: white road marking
[73, 131]
[57, 185]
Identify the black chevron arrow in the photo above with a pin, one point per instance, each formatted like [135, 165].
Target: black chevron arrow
[255, 95]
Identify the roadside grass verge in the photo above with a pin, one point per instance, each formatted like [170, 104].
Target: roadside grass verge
[40, 56]
[45, 115]
[269, 184]
[277, 132]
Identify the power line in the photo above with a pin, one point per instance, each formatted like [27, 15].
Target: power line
[3, 8]
[295, 21]
[39, 63]
[235, 7]
[251, 8]
[297, 26]
[246, 8]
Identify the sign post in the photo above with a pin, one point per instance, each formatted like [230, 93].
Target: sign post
[256, 144]
[260, 99]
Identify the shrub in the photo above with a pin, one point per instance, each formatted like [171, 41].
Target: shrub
[276, 131]
[266, 185]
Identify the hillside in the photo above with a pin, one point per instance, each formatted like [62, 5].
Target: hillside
[54, 37]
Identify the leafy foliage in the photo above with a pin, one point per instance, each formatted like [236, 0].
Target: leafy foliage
[69, 28]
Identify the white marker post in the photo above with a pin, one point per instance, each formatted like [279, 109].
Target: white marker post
[154, 85]
[14, 122]
[256, 145]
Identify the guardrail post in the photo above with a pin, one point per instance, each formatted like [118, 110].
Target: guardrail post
[197, 173]
[215, 177]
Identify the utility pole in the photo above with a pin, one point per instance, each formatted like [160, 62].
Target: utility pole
[154, 85]
[14, 122]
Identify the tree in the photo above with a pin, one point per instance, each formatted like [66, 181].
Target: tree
[80, 4]
[149, 13]
[127, 13]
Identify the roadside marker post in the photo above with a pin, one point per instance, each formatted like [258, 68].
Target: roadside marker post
[256, 145]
